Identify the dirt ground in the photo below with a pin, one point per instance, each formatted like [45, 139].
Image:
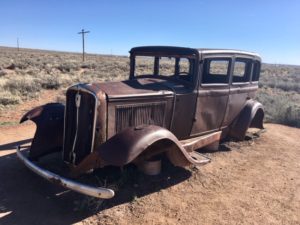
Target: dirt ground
[251, 182]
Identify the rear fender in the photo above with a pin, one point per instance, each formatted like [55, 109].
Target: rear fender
[252, 115]
[49, 120]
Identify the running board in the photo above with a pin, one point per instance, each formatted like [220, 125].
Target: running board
[199, 158]
[193, 144]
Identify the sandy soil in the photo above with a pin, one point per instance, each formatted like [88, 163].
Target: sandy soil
[251, 182]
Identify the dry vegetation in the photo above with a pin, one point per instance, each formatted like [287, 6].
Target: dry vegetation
[280, 93]
[25, 73]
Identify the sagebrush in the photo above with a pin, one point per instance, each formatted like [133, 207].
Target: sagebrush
[25, 73]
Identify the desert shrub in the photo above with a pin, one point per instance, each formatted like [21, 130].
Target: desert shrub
[280, 93]
[67, 67]
[22, 65]
[49, 82]
[6, 98]
[291, 116]
[23, 86]
[285, 85]
[88, 66]
[280, 107]
[32, 71]
[288, 86]
[66, 80]
[286, 78]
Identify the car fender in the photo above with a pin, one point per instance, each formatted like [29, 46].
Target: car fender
[49, 120]
[136, 143]
[252, 115]
[127, 145]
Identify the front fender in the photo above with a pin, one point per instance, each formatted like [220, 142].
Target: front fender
[127, 145]
[252, 115]
[132, 143]
[49, 120]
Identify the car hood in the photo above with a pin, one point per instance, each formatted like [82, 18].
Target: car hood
[138, 88]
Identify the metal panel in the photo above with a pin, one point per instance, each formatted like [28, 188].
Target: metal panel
[238, 96]
[210, 110]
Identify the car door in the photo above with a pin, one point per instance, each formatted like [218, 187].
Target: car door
[213, 94]
[241, 89]
[185, 98]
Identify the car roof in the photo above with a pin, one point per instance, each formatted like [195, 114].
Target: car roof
[226, 51]
[188, 51]
[164, 49]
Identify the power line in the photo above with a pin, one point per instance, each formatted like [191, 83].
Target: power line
[83, 33]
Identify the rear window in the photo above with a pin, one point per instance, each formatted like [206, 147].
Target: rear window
[216, 71]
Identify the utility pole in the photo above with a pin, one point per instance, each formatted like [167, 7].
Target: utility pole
[83, 33]
[18, 44]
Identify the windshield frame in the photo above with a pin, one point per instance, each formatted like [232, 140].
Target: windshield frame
[156, 57]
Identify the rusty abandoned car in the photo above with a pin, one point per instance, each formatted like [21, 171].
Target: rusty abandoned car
[176, 100]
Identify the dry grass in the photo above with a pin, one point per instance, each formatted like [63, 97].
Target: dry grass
[280, 93]
[24, 74]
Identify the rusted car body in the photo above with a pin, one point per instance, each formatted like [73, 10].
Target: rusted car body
[175, 101]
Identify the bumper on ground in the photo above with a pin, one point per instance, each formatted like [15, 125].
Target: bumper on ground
[98, 192]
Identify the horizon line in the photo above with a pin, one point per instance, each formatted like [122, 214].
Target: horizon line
[107, 54]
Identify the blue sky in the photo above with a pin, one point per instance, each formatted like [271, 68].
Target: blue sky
[271, 28]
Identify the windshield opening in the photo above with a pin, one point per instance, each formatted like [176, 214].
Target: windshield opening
[167, 66]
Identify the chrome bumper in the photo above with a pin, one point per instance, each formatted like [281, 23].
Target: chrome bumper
[97, 192]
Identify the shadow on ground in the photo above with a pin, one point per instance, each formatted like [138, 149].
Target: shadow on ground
[26, 198]
[12, 145]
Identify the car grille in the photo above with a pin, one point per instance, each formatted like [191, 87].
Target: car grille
[79, 129]
[140, 114]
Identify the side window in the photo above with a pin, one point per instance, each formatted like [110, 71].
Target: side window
[256, 71]
[216, 71]
[241, 70]
[185, 69]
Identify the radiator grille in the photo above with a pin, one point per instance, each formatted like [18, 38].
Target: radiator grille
[140, 114]
[85, 133]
